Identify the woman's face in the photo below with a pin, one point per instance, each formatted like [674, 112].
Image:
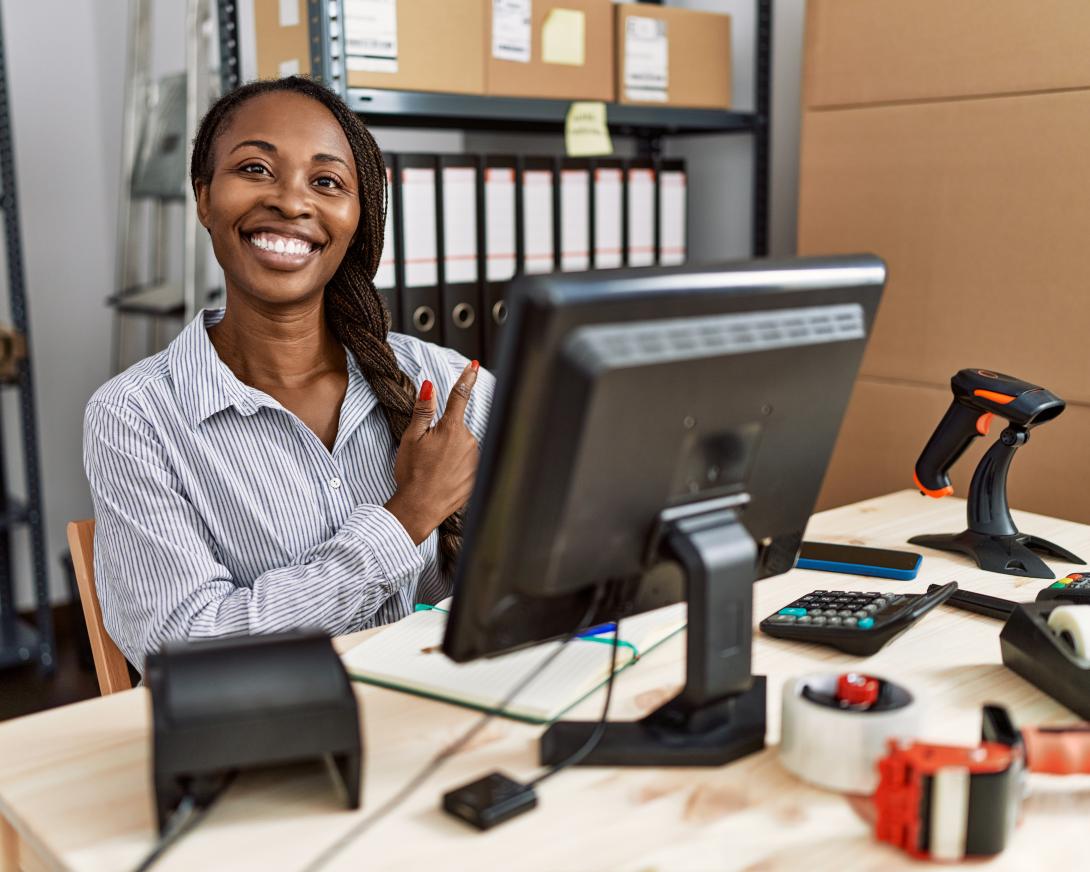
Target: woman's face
[283, 203]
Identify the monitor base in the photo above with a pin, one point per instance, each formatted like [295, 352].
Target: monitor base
[668, 736]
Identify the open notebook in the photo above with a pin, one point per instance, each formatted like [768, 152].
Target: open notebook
[407, 656]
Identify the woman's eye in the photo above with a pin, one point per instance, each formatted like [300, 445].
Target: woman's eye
[254, 169]
[327, 182]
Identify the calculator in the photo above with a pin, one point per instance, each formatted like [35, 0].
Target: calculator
[853, 622]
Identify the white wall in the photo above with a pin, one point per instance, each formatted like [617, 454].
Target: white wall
[65, 69]
[67, 123]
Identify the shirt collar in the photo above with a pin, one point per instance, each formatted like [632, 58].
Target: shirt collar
[205, 385]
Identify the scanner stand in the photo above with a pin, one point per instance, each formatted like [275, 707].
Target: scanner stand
[719, 715]
[992, 538]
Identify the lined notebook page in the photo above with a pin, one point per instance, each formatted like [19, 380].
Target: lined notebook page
[407, 656]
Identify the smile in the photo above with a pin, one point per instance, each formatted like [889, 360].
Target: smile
[290, 247]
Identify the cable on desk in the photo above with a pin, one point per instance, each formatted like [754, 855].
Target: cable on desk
[594, 738]
[186, 816]
[439, 759]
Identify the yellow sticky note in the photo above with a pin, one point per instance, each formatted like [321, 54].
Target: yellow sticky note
[586, 132]
[564, 37]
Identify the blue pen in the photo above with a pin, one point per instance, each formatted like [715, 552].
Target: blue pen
[598, 631]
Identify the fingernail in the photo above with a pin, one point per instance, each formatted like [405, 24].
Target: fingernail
[425, 391]
[476, 365]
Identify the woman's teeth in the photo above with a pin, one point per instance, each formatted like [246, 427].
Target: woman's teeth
[281, 244]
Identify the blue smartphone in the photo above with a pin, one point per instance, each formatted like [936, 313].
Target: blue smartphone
[854, 560]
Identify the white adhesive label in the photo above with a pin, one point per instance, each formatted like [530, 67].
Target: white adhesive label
[646, 59]
[499, 211]
[370, 35]
[511, 40]
[289, 13]
[460, 224]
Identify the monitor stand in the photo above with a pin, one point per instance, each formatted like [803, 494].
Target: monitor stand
[719, 715]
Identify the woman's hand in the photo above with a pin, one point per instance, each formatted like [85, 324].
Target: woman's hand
[436, 465]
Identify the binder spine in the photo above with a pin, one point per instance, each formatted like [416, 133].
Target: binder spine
[460, 264]
[420, 298]
[390, 291]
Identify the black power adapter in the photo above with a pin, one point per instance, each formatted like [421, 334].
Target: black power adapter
[490, 801]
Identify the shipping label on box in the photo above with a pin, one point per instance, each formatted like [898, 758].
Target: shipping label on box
[370, 35]
[511, 32]
[646, 59]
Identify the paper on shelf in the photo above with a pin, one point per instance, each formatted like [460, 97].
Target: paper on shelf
[564, 37]
[511, 30]
[586, 130]
[646, 59]
[370, 35]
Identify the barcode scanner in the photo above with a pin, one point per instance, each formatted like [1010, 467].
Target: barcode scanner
[992, 538]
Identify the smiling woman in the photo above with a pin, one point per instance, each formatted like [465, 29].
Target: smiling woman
[279, 464]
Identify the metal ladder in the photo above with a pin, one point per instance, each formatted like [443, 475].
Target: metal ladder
[161, 119]
[19, 642]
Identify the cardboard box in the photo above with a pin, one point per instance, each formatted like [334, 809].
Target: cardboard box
[439, 45]
[878, 51]
[888, 424]
[979, 208]
[699, 57]
[570, 50]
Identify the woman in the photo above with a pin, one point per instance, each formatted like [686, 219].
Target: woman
[276, 465]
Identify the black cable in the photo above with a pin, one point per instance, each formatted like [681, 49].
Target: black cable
[444, 755]
[594, 738]
[186, 816]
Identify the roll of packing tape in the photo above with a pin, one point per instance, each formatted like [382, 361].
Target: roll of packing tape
[1072, 624]
[835, 728]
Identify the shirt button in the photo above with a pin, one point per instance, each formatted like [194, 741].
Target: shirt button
[335, 483]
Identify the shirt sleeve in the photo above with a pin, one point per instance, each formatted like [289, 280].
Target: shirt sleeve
[156, 571]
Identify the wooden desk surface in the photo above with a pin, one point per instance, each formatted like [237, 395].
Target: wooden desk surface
[75, 784]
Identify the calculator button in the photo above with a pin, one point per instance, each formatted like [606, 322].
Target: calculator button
[872, 608]
[819, 620]
[794, 613]
[865, 623]
[829, 613]
[835, 622]
[849, 622]
[819, 592]
[880, 602]
[845, 613]
[805, 619]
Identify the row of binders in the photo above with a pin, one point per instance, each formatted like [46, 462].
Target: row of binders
[459, 227]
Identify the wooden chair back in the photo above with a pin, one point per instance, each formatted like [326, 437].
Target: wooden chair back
[110, 664]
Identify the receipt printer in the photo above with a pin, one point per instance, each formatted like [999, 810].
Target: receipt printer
[223, 705]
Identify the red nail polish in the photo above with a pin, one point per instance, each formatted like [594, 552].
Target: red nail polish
[425, 390]
[476, 365]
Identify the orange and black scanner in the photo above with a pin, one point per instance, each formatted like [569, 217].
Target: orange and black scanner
[979, 395]
[992, 538]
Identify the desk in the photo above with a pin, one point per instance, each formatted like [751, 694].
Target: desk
[75, 786]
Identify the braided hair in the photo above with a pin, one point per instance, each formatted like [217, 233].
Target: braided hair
[353, 308]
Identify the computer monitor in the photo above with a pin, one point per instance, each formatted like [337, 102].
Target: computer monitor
[658, 435]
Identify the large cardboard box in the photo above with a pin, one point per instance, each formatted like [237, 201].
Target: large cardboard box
[697, 63]
[951, 139]
[426, 45]
[888, 423]
[567, 53]
[877, 51]
[980, 209]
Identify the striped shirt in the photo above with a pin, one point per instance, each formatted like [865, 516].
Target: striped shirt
[218, 511]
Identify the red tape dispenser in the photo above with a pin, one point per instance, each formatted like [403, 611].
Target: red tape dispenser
[945, 803]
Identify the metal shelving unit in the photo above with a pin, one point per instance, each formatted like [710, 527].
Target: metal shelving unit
[19, 642]
[649, 124]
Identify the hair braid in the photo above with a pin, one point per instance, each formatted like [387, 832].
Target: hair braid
[354, 309]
